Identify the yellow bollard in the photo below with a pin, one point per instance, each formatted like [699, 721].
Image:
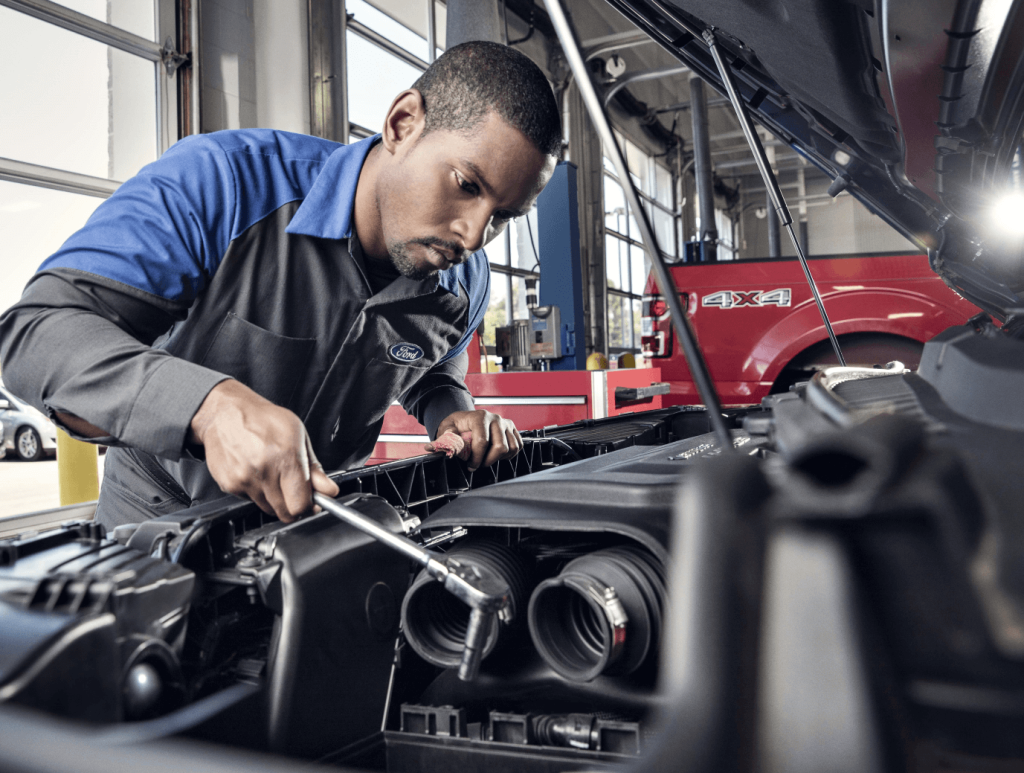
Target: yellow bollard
[597, 361]
[627, 360]
[77, 470]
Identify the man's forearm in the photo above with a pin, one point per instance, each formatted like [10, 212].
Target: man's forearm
[63, 352]
[440, 393]
[80, 426]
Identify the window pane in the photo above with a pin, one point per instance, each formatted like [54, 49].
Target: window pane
[615, 251]
[496, 309]
[35, 222]
[636, 160]
[611, 261]
[132, 101]
[497, 250]
[640, 267]
[137, 16]
[636, 324]
[519, 310]
[619, 322]
[524, 241]
[440, 25]
[663, 185]
[396, 21]
[614, 206]
[663, 225]
[72, 103]
[375, 78]
[634, 229]
[724, 226]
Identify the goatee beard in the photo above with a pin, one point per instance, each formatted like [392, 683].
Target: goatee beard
[406, 266]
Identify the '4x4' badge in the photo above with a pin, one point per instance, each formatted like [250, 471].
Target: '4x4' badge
[732, 299]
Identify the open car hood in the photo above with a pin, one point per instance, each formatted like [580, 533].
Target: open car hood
[922, 101]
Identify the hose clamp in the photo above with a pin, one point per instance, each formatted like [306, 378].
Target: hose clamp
[616, 616]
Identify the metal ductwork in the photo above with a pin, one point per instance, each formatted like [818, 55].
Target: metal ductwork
[473, 20]
[702, 168]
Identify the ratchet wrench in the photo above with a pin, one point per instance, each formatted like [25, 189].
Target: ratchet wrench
[482, 590]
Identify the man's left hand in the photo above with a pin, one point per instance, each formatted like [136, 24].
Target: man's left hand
[488, 437]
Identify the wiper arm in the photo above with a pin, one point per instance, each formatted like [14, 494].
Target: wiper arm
[691, 349]
[771, 184]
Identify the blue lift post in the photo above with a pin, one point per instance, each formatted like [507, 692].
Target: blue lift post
[561, 280]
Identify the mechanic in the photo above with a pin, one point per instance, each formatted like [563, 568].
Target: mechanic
[243, 311]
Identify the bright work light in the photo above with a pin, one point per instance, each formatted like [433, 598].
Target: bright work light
[1008, 214]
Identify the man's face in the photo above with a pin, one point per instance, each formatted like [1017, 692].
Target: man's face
[449, 193]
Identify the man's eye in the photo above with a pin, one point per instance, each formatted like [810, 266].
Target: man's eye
[466, 185]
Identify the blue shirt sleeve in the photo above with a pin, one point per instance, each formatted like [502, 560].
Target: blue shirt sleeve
[475, 276]
[166, 230]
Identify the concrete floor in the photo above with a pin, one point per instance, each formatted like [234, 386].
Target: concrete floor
[27, 487]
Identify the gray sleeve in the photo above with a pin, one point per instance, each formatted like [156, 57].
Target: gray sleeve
[79, 343]
[440, 393]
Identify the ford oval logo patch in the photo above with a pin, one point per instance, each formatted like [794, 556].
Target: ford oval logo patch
[406, 352]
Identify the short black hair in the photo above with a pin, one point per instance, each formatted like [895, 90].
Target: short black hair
[471, 79]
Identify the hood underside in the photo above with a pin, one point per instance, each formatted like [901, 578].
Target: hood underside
[916, 105]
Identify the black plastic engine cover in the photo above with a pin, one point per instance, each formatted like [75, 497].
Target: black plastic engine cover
[629, 493]
[337, 598]
[75, 611]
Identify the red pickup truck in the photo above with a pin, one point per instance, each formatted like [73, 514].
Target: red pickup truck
[760, 330]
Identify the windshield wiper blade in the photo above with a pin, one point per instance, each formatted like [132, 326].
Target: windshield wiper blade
[691, 349]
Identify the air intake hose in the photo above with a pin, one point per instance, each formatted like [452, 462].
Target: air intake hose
[601, 615]
[435, 621]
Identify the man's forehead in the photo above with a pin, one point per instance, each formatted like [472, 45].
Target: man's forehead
[495, 172]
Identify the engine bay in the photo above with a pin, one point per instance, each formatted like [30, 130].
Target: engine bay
[851, 572]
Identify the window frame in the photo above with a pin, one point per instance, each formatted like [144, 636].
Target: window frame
[165, 59]
[634, 294]
[375, 38]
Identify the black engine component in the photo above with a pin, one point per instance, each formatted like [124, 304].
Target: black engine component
[435, 622]
[601, 614]
[863, 532]
[220, 623]
[586, 731]
[107, 632]
[92, 630]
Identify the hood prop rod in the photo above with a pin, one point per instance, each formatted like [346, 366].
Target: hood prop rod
[771, 184]
[691, 349]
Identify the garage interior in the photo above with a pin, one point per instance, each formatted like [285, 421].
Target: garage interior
[330, 70]
[755, 521]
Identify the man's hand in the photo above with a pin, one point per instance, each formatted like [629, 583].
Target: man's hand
[488, 437]
[258, 450]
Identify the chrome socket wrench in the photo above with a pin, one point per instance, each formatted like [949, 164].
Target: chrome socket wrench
[484, 592]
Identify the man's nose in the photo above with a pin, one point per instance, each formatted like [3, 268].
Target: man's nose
[472, 227]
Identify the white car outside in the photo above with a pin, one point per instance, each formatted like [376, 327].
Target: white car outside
[26, 432]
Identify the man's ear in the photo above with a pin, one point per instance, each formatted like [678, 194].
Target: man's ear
[404, 122]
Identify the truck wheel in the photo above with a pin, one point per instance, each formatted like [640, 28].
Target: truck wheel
[864, 350]
[28, 445]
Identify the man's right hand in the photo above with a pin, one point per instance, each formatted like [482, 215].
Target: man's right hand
[259, 450]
